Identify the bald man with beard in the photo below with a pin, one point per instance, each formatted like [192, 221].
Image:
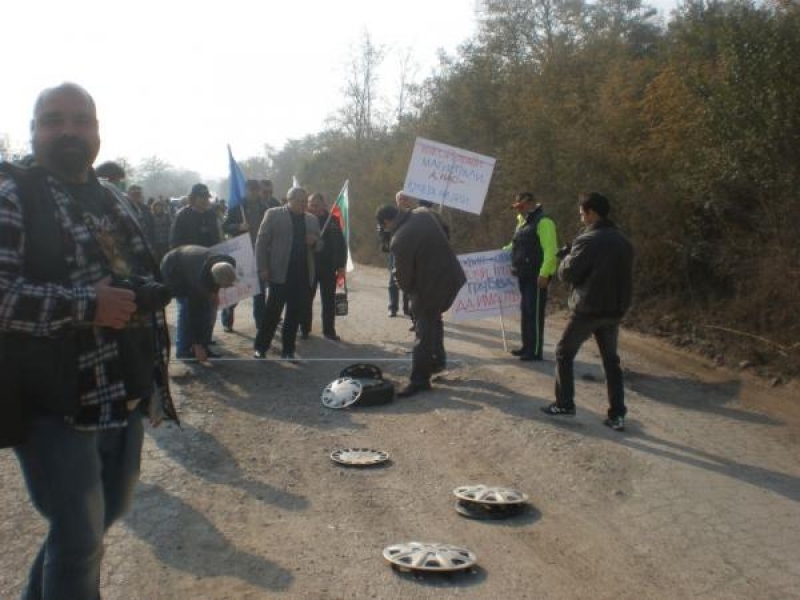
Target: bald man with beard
[83, 354]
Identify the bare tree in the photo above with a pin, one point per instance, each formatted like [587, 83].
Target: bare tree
[358, 117]
[407, 71]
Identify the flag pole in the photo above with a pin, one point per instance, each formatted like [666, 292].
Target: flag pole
[330, 212]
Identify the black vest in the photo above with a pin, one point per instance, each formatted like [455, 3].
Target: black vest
[526, 249]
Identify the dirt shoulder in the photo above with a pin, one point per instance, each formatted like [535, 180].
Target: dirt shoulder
[700, 497]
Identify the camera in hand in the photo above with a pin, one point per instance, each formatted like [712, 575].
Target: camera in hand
[150, 295]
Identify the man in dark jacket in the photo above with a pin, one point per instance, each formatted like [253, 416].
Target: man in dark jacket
[246, 218]
[599, 267]
[427, 270]
[267, 194]
[194, 274]
[329, 263]
[196, 223]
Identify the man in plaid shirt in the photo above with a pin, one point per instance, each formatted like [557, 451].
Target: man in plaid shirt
[80, 463]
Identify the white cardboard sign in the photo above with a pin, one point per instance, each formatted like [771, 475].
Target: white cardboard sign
[241, 249]
[490, 290]
[449, 176]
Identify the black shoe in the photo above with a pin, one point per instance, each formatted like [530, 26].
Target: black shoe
[529, 357]
[260, 354]
[287, 355]
[554, 410]
[519, 352]
[333, 337]
[615, 423]
[392, 313]
[413, 388]
[438, 369]
[212, 354]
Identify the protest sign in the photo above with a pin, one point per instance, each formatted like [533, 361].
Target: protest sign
[241, 249]
[449, 176]
[490, 287]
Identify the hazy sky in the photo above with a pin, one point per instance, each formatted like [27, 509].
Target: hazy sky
[180, 79]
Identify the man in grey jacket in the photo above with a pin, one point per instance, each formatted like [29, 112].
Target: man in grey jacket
[285, 245]
[427, 269]
[599, 267]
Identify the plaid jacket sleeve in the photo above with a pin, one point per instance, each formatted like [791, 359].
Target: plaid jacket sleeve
[27, 306]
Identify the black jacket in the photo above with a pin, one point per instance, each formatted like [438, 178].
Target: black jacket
[425, 265]
[600, 269]
[526, 249]
[253, 212]
[193, 227]
[333, 255]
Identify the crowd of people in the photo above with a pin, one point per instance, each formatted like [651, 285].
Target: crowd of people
[298, 247]
[87, 269]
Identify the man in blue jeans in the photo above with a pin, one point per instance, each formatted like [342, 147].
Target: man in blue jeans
[69, 295]
[196, 224]
[599, 268]
[194, 275]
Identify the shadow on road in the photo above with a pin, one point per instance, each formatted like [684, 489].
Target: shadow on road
[685, 392]
[184, 539]
[714, 396]
[780, 483]
[636, 438]
[276, 390]
[496, 395]
[203, 455]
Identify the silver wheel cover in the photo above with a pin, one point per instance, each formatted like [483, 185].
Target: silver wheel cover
[421, 556]
[493, 495]
[341, 393]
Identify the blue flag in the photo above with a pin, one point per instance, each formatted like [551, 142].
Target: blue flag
[237, 182]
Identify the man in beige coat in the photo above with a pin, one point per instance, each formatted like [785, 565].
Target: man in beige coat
[285, 245]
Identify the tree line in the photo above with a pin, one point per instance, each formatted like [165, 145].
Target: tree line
[691, 125]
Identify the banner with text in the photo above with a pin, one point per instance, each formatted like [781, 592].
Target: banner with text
[447, 175]
[490, 290]
[241, 249]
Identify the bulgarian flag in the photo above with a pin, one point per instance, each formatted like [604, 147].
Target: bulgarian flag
[341, 211]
